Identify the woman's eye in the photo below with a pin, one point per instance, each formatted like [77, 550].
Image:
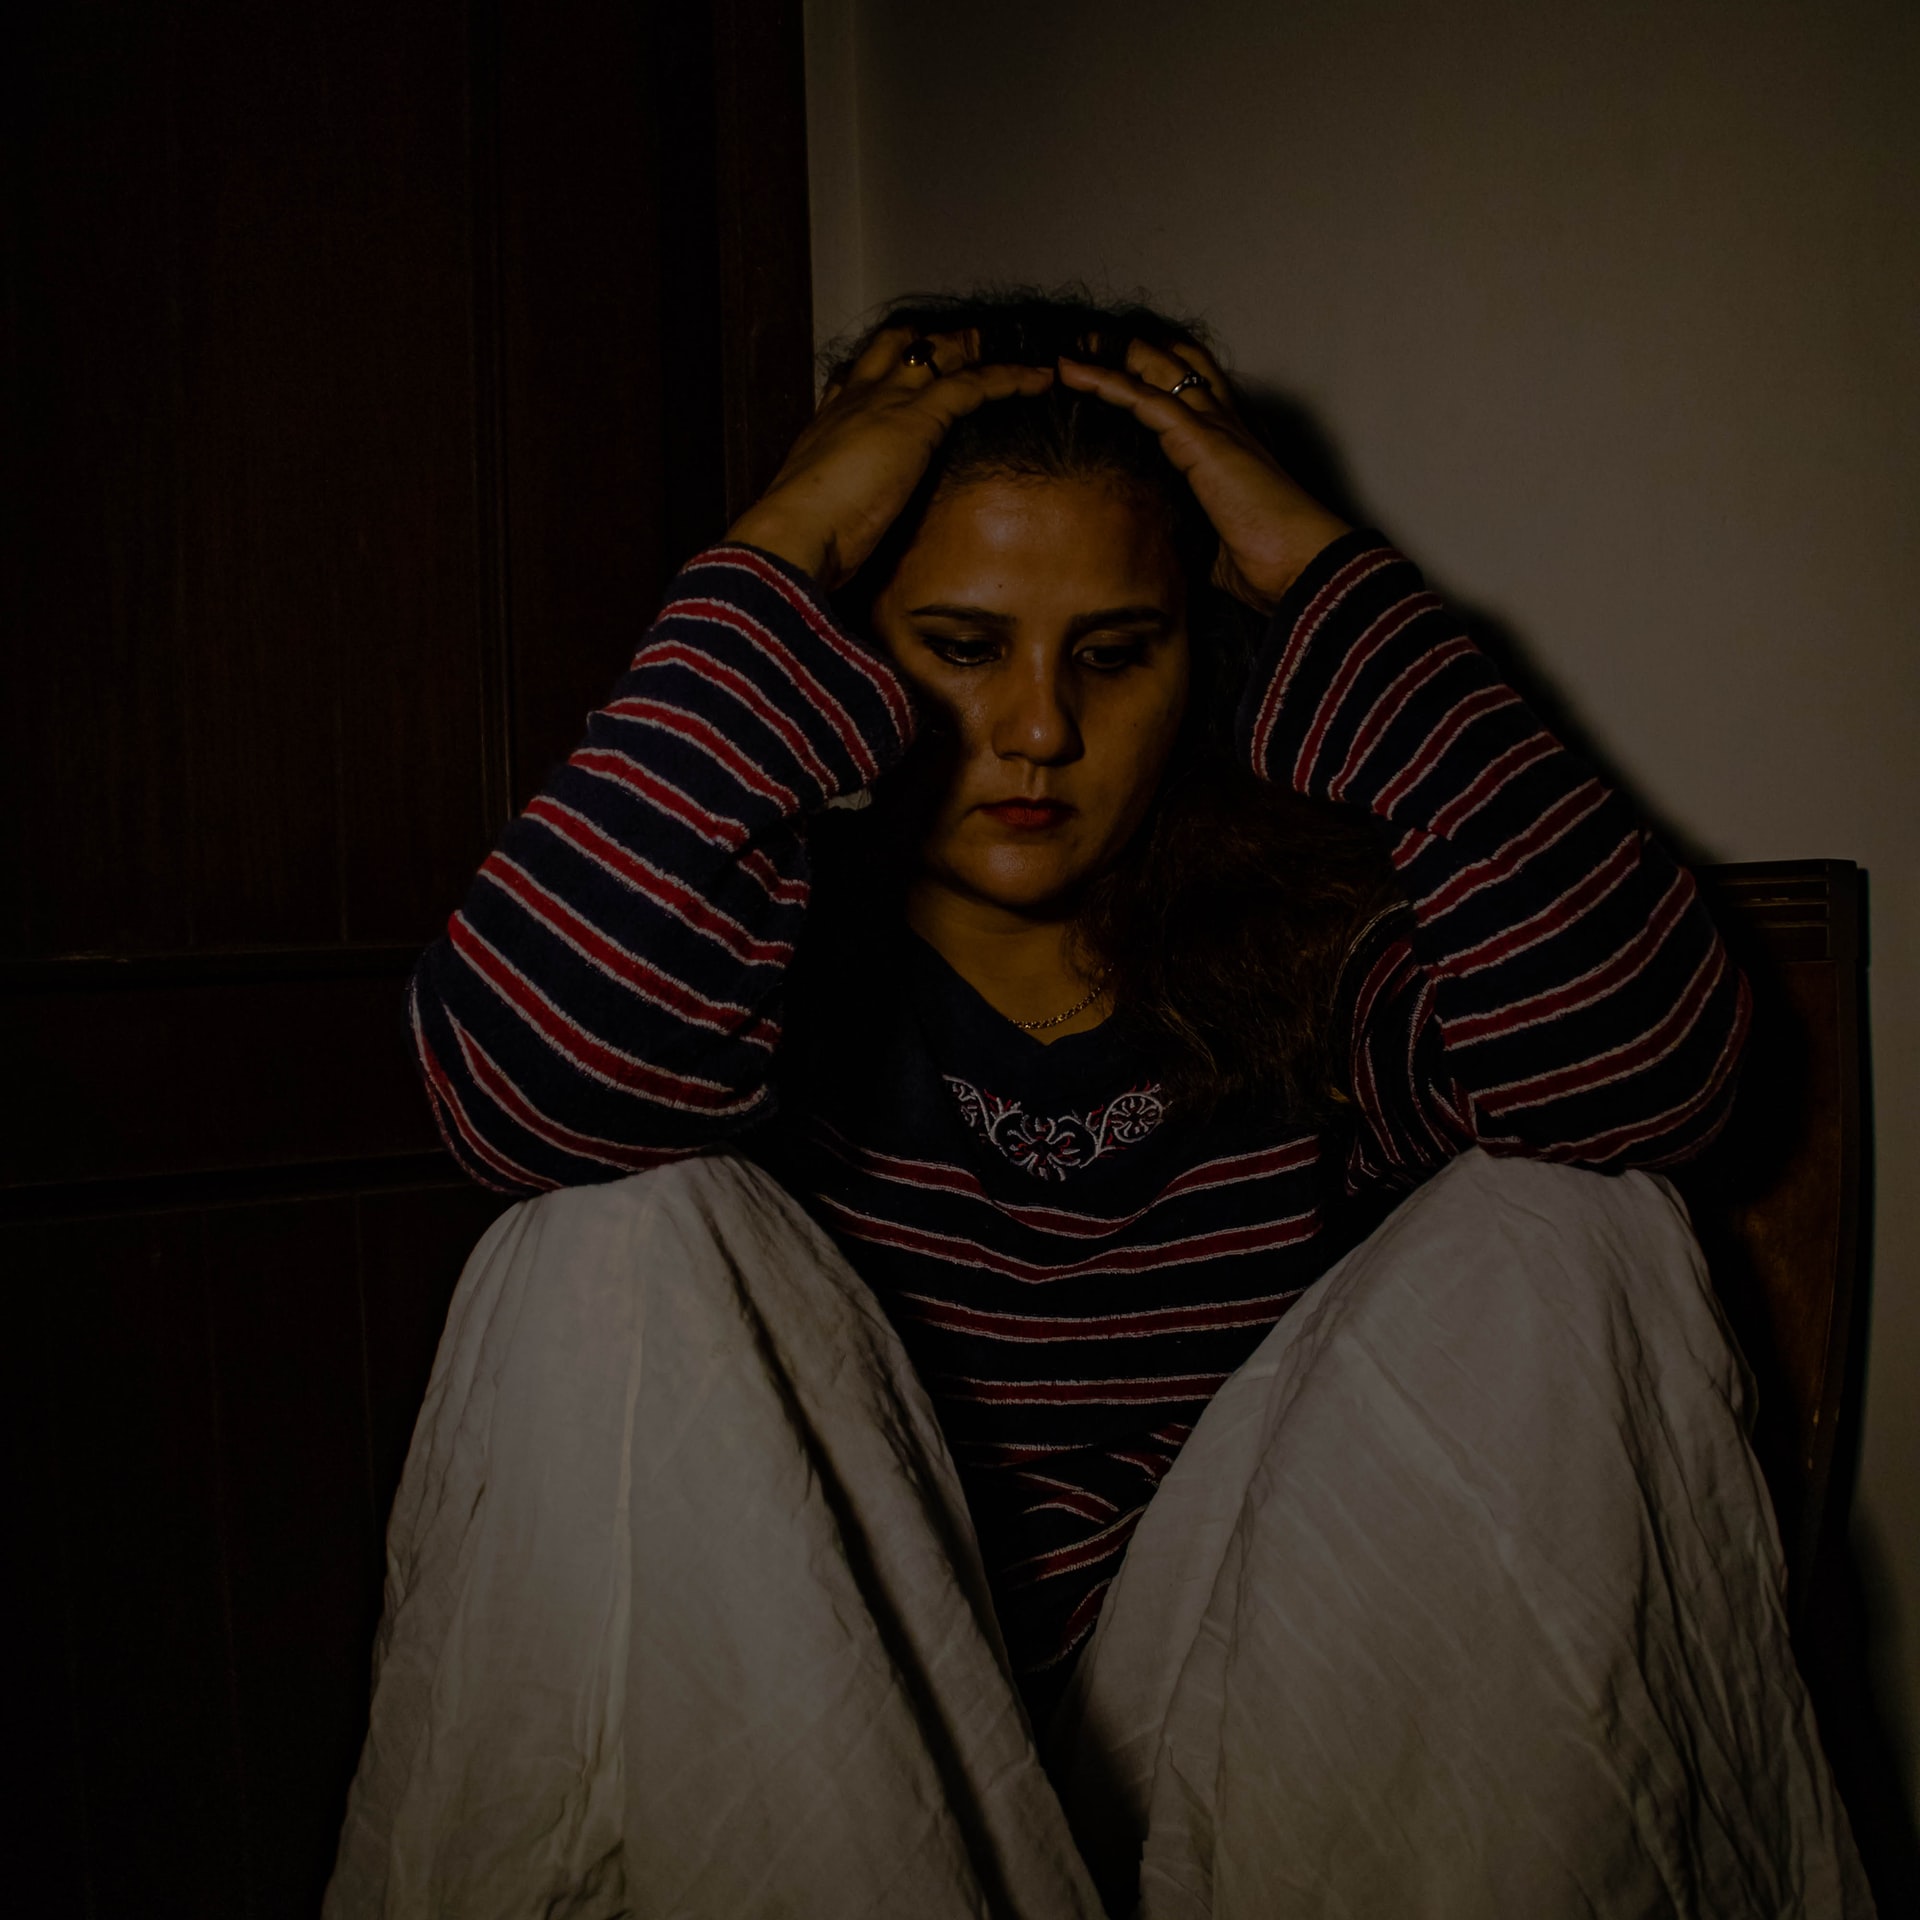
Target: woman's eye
[1111, 658]
[960, 653]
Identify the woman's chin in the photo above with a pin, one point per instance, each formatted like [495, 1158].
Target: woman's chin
[1019, 879]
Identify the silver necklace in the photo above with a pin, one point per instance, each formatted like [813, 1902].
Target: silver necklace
[1055, 1019]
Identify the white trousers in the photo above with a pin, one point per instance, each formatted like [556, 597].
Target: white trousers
[1463, 1599]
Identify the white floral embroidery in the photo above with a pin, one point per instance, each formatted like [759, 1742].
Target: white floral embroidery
[1051, 1147]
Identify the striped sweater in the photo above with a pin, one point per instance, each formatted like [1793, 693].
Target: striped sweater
[1074, 1265]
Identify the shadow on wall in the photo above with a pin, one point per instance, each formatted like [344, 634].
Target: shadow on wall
[1844, 1636]
[1306, 453]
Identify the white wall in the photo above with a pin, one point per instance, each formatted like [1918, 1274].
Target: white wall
[1612, 310]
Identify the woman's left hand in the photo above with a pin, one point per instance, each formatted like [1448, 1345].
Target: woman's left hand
[1269, 526]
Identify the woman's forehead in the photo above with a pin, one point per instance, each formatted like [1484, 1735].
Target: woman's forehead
[1017, 543]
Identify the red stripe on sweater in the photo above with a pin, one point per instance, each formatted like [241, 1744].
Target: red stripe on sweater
[878, 675]
[1079, 1623]
[1481, 704]
[603, 763]
[693, 910]
[1153, 1464]
[586, 1051]
[1312, 617]
[701, 734]
[942, 1176]
[1616, 1063]
[1393, 962]
[1261, 1238]
[1627, 962]
[1111, 1539]
[782, 889]
[774, 650]
[1040, 1329]
[622, 1155]
[1568, 812]
[1601, 1147]
[648, 982]
[1094, 1506]
[715, 672]
[456, 1124]
[1386, 626]
[1500, 772]
[1571, 905]
[1143, 1390]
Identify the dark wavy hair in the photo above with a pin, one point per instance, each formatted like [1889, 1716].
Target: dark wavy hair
[1223, 925]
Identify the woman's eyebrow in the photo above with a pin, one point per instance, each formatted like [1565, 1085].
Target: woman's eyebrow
[1101, 620]
[1108, 618]
[981, 616]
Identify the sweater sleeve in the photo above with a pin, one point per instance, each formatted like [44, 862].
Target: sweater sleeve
[609, 995]
[1555, 987]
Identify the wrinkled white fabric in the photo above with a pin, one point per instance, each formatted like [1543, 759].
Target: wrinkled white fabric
[1463, 1598]
[684, 1615]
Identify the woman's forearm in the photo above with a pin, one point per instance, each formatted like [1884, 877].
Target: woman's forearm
[609, 995]
[1564, 993]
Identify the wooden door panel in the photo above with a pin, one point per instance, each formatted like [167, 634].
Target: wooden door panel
[302, 1536]
[585, 387]
[413, 1245]
[206, 1071]
[46, 1796]
[207, 1414]
[370, 370]
[90, 461]
[1777, 1201]
[118, 1342]
[327, 497]
[246, 603]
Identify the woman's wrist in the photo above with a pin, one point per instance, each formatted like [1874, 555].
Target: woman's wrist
[1300, 538]
[772, 533]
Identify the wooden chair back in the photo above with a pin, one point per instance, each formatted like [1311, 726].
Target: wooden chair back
[1778, 1200]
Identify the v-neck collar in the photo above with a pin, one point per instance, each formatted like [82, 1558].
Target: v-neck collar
[962, 1025]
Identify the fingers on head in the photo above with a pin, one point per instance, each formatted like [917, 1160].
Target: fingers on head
[1155, 365]
[881, 354]
[1201, 359]
[972, 385]
[1165, 367]
[952, 352]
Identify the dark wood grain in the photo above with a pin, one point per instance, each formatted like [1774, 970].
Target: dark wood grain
[368, 373]
[325, 510]
[761, 210]
[175, 1079]
[92, 852]
[585, 386]
[46, 1784]
[1777, 1202]
[303, 1540]
[120, 1325]
[414, 1245]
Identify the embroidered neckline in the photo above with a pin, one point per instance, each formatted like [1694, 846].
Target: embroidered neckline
[1051, 1146]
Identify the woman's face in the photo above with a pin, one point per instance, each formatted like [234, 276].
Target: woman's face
[1044, 624]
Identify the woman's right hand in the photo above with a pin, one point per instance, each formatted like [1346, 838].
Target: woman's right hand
[853, 470]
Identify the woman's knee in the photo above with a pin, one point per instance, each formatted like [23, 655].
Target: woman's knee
[700, 1188]
[1534, 1225]
[711, 1226]
[1544, 1283]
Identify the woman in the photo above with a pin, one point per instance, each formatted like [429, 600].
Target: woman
[1212, 887]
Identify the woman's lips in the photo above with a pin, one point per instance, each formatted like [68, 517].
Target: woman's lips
[1028, 816]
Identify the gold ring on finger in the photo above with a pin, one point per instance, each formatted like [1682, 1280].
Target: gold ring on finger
[1199, 380]
[919, 353]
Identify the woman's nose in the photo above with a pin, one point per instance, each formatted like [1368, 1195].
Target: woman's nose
[1036, 720]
